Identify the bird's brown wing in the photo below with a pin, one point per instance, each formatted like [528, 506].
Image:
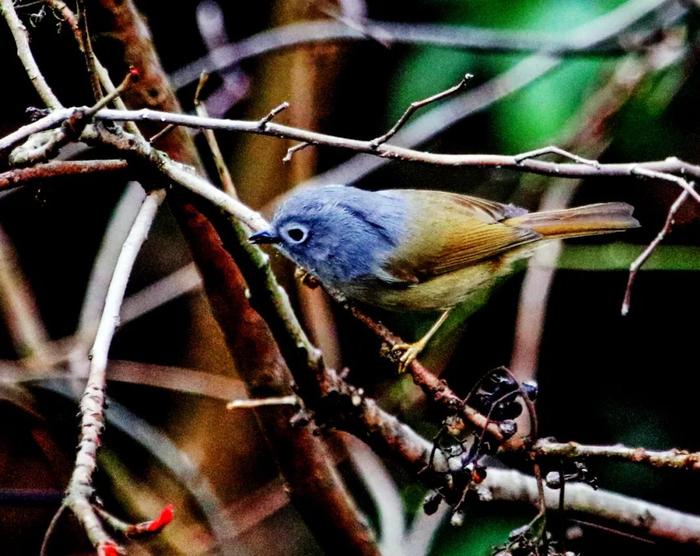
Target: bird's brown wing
[448, 231]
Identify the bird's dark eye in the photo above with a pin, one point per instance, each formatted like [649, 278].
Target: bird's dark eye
[297, 235]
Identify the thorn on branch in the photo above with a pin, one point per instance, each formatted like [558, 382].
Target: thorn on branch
[291, 150]
[262, 123]
[160, 134]
[374, 143]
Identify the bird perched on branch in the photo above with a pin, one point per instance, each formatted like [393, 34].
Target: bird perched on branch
[419, 250]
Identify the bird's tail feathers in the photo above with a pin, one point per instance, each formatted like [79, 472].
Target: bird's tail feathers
[601, 218]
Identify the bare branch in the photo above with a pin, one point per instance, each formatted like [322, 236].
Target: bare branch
[315, 486]
[50, 121]
[81, 32]
[263, 402]
[676, 459]
[591, 134]
[416, 105]
[294, 149]
[94, 65]
[555, 150]
[262, 123]
[60, 168]
[434, 388]
[652, 520]
[661, 169]
[80, 491]
[644, 255]
[224, 175]
[24, 52]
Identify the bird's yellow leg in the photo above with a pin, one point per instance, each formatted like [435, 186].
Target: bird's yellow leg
[410, 351]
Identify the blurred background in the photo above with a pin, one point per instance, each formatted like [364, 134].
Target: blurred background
[622, 94]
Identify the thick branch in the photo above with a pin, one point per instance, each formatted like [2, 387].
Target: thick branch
[639, 516]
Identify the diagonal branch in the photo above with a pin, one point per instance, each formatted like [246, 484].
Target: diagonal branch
[24, 52]
[644, 255]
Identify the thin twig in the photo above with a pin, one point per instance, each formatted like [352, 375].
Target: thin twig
[644, 255]
[24, 52]
[86, 47]
[416, 105]
[131, 77]
[263, 402]
[153, 139]
[224, 175]
[294, 149]
[262, 122]
[43, 551]
[643, 517]
[551, 149]
[315, 486]
[46, 145]
[674, 459]
[434, 388]
[186, 177]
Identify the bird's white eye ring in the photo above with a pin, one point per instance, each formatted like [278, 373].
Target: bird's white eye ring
[296, 234]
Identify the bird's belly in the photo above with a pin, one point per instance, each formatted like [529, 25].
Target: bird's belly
[440, 292]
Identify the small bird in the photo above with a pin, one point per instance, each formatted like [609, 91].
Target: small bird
[419, 250]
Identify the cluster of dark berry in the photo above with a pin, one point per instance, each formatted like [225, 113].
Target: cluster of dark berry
[497, 396]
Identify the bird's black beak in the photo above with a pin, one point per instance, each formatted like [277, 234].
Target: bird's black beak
[264, 237]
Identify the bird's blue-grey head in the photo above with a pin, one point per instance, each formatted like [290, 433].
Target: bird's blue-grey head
[339, 233]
